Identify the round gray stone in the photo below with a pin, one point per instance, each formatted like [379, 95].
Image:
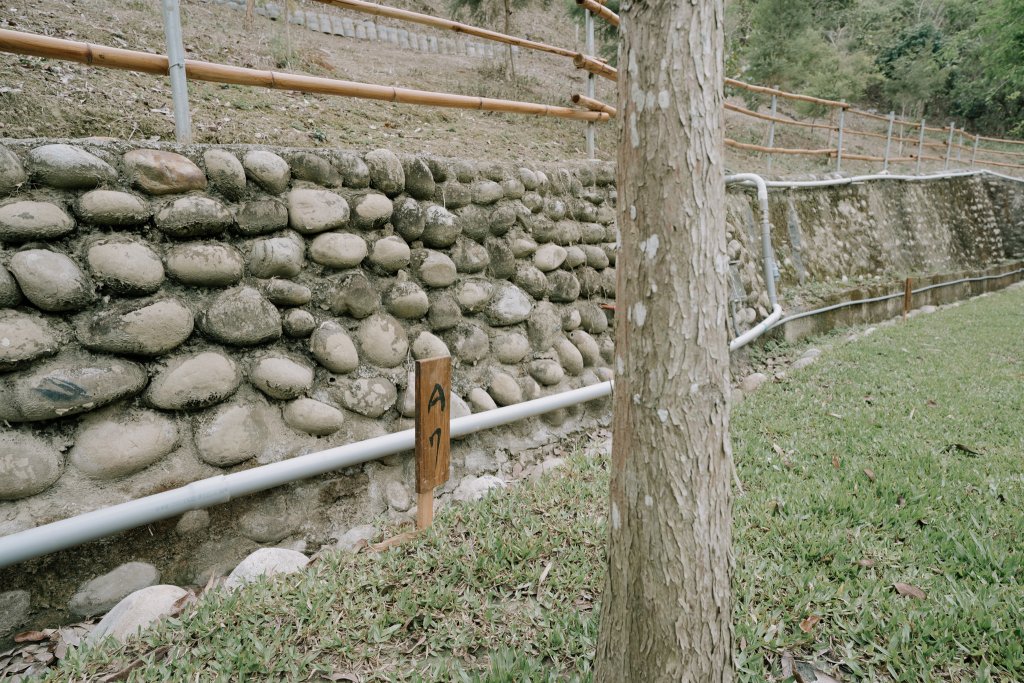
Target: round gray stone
[453, 195]
[434, 268]
[193, 216]
[444, 312]
[473, 222]
[15, 606]
[10, 294]
[277, 257]
[486, 192]
[419, 181]
[574, 257]
[502, 219]
[544, 326]
[503, 263]
[569, 356]
[383, 341]
[469, 256]
[386, 172]
[67, 167]
[266, 562]
[108, 447]
[23, 339]
[205, 265]
[137, 611]
[28, 465]
[333, 348]
[194, 381]
[280, 377]
[549, 257]
[241, 317]
[474, 294]
[233, 434]
[268, 170]
[408, 219]
[588, 347]
[510, 348]
[593, 319]
[596, 256]
[369, 396]
[531, 280]
[260, 216]
[286, 293]
[546, 371]
[338, 250]
[427, 345]
[505, 390]
[104, 592]
[371, 211]
[12, 177]
[51, 281]
[28, 220]
[151, 330]
[353, 169]
[161, 172]
[126, 268]
[523, 247]
[312, 211]
[469, 343]
[112, 208]
[407, 300]
[509, 305]
[313, 417]
[440, 228]
[480, 401]
[226, 173]
[353, 294]
[315, 169]
[563, 286]
[390, 254]
[298, 323]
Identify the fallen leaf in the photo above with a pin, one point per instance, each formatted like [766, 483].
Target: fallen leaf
[809, 623]
[901, 501]
[869, 473]
[787, 666]
[866, 562]
[544, 574]
[30, 637]
[908, 590]
[836, 416]
[835, 461]
[931, 403]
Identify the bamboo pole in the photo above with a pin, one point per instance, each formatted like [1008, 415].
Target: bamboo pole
[788, 95]
[600, 10]
[777, 150]
[595, 66]
[445, 24]
[986, 162]
[594, 105]
[1004, 140]
[777, 119]
[129, 60]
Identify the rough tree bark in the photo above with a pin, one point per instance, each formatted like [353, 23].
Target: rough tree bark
[666, 609]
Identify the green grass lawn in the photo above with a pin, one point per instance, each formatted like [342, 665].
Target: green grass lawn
[853, 482]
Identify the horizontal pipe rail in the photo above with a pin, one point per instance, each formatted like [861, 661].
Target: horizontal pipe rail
[596, 67]
[34, 45]
[777, 150]
[593, 105]
[777, 119]
[447, 25]
[600, 10]
[788, 95]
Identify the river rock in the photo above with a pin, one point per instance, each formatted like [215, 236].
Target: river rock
[23, 339]
[333, 348]
[315, 169]
[260, 216]
[12, 177]
[371, 211]
[10, 294]
[509, 305]
[286, 293]
[205, 265]
[444, 312]
[235, 433]
[126, 268]
[281, 378]
[753, 382]
[469, 256]
[523, 247]
[505, 390]
[313, 417]
[226, 173]
[111, 446]
[147, 331]
[195, 381]
[440, 229]
[408, 219]
[353, 294]
[277, 257]
[266, 562]
[138, 611]
[67, 386]
[546, 371]
[593, 319]
[480, 401]
[434, 268]
[383, 341]
[67, 167]
[241, 317]
[510, 348]
[193, 216]
[588, 347]
[427, 345]
[268, 170]
[298, 324]
[386, 172]
[571, 319]
[549, 257]
[502, 219]
[112, 208]
[28, 220]
[474, 294]
[419, 182]
[353, 169]
[28, 465]
[50, 280]
[15, 606]
[486, 192]
[531, 280]
[574, 257]
[472, 489]
[390, 254]
[469, 343]
[338, 250]
[502, 264]
[453, 195]
[102, 593]
[569, 356]
[369, 396]
[312, 211]
[160, 172]
[406, 299]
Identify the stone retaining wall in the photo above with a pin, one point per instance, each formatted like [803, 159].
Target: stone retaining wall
[169, 314]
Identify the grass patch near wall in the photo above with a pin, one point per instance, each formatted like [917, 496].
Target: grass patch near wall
[889, 469]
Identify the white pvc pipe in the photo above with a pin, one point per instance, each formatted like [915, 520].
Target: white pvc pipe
[757, 330]
[767, 253]
[90, 526]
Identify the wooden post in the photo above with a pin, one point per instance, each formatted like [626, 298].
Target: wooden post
[908, 295]
[433, 435]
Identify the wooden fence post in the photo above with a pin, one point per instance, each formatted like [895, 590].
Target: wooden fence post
[433, 435]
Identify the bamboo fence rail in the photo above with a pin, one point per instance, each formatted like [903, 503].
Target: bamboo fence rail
[788, 95]
[777, 150]
[593, 105]
[600, 10]
[778, 119]
[596, 66]
[130, 60]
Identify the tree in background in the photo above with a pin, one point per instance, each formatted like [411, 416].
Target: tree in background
[666, 611]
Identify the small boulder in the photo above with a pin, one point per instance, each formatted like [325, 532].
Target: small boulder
[28, 465]
[195, 381]
[112, 208]
[312, 211]
[268, 170]
[281, 378]
[313, 417]
[338, 250]
[333, 348]
[29, 220]
[104, 592]
[67, 167]
[226, 173]
[126, 268]
[266, 562]
[205, 265]
[112, 446]
[159, 172]
[137, 611]
[241, 317]
[51, 280]
[193, 216]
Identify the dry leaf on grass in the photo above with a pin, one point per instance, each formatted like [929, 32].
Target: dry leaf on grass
[808, 624]
[835, 462]
[908, 590]
[869, 473]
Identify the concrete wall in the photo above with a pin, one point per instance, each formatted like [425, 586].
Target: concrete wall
[168, 314]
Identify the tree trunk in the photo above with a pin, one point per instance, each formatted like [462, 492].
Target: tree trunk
[666, 612]
[508, 32]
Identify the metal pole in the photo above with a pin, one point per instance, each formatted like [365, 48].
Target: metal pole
[839, 147]
[949, 145]
[974, 152]
[176, 70]
[591, 85]
[888, 141]
[771, 131]
[960, 147]
[920, 148]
